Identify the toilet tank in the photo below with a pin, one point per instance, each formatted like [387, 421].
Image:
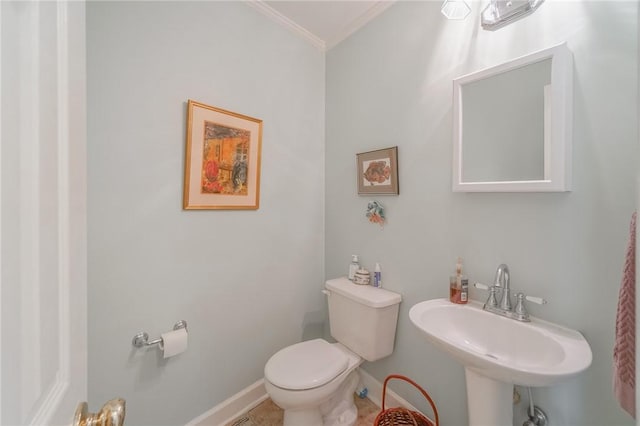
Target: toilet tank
[362, 317]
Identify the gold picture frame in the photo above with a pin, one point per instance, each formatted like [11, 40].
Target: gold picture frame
[222, 161]
[378, 172]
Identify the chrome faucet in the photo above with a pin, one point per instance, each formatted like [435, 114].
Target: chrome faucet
[502, 281]
[504, 308]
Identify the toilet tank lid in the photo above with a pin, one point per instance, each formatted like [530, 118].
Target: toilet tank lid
[365, 294]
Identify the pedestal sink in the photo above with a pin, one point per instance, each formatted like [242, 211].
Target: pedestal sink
[499, 352]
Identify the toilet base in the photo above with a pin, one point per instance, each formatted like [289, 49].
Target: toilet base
[339, 410]
[310, 417]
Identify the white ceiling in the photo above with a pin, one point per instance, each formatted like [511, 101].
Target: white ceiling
[324, 23]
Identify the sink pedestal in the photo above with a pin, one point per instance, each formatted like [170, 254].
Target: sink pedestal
[490, 402]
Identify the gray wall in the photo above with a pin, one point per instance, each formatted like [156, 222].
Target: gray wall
[247, 282]
[391, 84]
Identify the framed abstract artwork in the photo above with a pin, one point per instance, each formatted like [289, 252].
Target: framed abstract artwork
[222, 161]
[378, 172]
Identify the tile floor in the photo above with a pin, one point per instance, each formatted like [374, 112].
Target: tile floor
[269, 414]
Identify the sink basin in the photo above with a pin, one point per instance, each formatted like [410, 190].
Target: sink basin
[498, 352]
[535, 353]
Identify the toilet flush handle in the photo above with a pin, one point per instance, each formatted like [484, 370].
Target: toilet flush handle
[327, 292]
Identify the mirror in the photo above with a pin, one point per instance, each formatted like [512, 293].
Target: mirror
[512, 125]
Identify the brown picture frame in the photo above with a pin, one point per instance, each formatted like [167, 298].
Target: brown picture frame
[222, 161]
[378, 172]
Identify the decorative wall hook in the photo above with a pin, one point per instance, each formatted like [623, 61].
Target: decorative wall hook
[375, 213]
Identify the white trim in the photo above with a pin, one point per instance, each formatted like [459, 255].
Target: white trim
[50, 248]
[279, 18]
[1, 382]
[558, 177]
[50, 402]
[64, 215]
[251, 396]
[374, 393]
[55, 394]
[29, 207]
[547, 96]
[322, 45]
[233, 407]
[358, 23]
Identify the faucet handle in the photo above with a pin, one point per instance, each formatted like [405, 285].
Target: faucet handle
[491, 301]
[520, 310]
[538, 300]
[481, 286]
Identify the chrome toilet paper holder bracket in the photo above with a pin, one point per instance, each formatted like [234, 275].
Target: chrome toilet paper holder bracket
[141, 340]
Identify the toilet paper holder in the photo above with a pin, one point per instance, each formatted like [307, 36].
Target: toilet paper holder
[141, 339]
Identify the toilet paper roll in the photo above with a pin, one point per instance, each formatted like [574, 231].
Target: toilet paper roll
[174, 342]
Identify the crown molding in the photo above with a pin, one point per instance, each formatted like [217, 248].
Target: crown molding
[302, 32]
[359, 22]
[279, 18]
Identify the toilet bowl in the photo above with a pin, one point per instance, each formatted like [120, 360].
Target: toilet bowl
[314, 382]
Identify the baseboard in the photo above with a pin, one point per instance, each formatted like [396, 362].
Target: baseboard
[233, 407]
[254, 394]
[374, 393]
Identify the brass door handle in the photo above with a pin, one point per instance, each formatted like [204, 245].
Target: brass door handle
[111, 414]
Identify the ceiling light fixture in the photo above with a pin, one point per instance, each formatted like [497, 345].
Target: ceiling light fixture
[455, 9]
[499, 13]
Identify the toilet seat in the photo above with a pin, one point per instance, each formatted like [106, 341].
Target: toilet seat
[305, 365]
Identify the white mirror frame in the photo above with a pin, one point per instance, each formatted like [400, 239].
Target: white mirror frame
[558, 129]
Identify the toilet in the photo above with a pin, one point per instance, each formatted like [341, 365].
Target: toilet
[314, 381]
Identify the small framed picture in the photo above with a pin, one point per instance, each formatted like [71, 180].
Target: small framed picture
[378, 171]
[222, 168]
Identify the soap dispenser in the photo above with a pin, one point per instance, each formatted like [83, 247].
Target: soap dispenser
[459, 285]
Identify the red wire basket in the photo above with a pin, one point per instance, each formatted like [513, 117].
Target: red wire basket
[400, 416]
